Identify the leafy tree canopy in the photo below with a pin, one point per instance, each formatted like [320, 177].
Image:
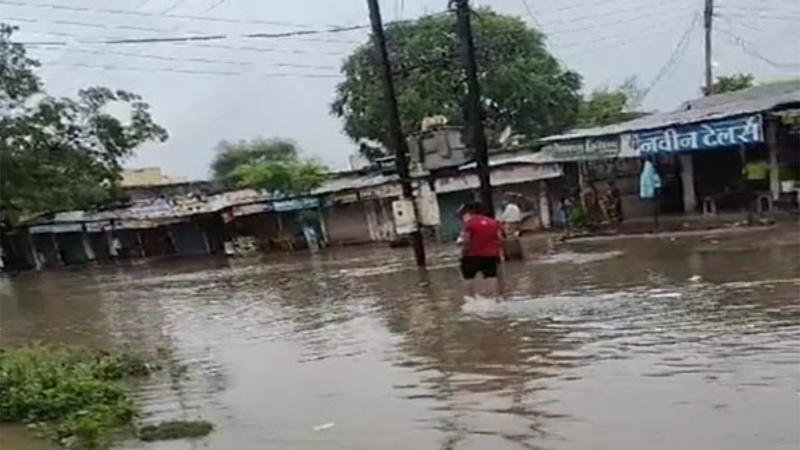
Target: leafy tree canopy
[61, 153]
[730, 83]
[273, 165]
[606, 106]
[523, 86]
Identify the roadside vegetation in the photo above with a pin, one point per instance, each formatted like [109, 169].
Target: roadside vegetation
[78, 397]
[175, 429]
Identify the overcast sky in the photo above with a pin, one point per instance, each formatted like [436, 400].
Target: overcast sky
[229, 89]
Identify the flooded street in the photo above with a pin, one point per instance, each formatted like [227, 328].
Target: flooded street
[657, 343]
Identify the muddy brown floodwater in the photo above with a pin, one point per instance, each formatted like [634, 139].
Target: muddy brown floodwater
[657, 343]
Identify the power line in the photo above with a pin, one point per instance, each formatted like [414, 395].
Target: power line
[129, 13]
[262, 49]
[674, 57]
[304, 32]
[617, 44]
[172, 7]
[593, 3]
[215, 37]
[759, 10]
[752, 27]
[214, 6]
[754, 15]
[190, 59]
[532, 13]
[749, 49]
[617, 12]
[606, 24]
[625, 35]
[96, 25]
[190, 71]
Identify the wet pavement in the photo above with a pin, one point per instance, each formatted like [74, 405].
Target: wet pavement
[657, 343]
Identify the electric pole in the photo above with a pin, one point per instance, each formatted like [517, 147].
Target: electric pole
[708, 21]
[474, 109]
[395, 129]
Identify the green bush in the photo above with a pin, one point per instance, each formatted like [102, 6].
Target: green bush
[72, 395]
[175, 429]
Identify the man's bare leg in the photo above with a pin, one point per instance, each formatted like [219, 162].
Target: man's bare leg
[471, 287]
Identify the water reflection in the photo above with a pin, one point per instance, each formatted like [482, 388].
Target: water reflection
[603, 344]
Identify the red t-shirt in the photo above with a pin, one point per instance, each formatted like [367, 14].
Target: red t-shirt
[483, 236]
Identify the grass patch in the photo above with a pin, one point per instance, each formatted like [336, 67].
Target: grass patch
[75, 396]
[175, 429]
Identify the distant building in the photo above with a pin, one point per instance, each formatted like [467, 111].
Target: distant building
[147, 176]
[149, 183]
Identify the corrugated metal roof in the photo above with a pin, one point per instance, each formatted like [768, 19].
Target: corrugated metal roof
[354, 181]
[516, 158]
[747, 101]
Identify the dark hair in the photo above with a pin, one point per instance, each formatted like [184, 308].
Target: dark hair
[471, 208]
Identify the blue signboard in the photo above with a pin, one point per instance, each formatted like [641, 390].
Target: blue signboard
[701, 136]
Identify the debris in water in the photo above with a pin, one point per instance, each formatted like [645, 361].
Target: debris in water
[695, 278]
[325, 426]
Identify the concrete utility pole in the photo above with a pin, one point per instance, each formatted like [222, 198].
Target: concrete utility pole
[477, 138]
[708, 21]
[395, 129]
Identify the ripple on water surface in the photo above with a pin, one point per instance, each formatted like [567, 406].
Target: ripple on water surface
[607, 346]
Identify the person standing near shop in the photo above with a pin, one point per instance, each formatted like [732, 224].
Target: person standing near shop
[511, 217]
[481, 248]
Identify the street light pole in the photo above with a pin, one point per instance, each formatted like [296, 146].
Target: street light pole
[477, 137]
[395, 129]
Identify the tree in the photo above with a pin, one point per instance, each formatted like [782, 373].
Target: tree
[730, 83]
[231, 156]
[61, 153]
[604, 107]
[523, 86]
[273, 165]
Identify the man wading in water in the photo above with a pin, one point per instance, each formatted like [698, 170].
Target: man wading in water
[481, 243]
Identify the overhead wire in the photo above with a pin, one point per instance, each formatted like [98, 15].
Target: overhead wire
[670, 4]
[221, 36]
[214, 6]
[144, 14]
[620, 21]
[191, 71]
[181, 40]
[593, 3]
[750, 9]
[674, 57]
[194, 59]
[749, 49]
[755, 15]
[532, 14]
[177, 4]
[623, 35]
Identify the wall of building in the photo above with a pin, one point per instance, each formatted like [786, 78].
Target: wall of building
[167, 191]
[380, 219]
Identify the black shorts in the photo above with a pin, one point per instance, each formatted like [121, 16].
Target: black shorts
[472, 265]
